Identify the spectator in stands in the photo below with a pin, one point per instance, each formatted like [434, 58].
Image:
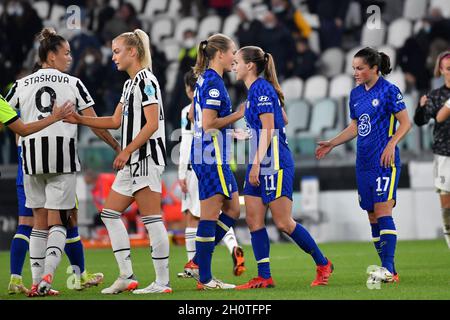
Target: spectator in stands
[186, 59]
[331, 16]
[124, 20]
[278, 41]
[187, 5]
[291, 17]
[249, 30]
[159, 67]
[439, 34]
[222, 7]
[305, 63]
[103, 15]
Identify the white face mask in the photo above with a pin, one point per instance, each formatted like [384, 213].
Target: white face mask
[14, 9]
[189, 43]
[278, 9]
[270, 25]
[89, 59]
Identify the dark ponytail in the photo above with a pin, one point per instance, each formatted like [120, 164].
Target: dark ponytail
[207, 50]
[264, 63]
[49, 41]
[374, 58]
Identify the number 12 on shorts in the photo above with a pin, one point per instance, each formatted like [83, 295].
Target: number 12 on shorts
[385, 181]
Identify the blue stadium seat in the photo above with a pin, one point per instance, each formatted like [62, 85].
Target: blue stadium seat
[332, 62]
[292, 88]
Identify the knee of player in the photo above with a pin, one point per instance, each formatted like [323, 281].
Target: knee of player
[285, 225]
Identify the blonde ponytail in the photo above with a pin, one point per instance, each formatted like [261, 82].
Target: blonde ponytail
[139, 40]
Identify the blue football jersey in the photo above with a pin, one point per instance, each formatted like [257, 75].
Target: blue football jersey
[262, 98]
[214, 147]
[374, 110]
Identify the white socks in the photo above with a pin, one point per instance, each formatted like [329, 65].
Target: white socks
[230, 240]
[159, 242]
[38, 244]
[190, 234]
[55, 247]
[120, 241]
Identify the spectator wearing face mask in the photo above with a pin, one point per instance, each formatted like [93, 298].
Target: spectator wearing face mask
[278, 41]
[291, 17]
[249, 30]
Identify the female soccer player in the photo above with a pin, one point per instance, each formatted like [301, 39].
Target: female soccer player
[190, 203]
[50, 159]
[375, 107]
[270, 175]
[432, 106]
[140, 163]
[211, 154]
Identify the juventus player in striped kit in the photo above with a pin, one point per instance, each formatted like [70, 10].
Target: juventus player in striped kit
[140, 163]
[50, 159]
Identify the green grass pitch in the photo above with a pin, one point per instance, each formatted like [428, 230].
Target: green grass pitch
[424, 268]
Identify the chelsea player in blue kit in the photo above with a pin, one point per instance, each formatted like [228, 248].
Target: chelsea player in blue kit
[375, 107]
[210, 156]
[270, 175]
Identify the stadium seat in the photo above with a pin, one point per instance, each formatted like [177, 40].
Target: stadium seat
[414, 10]
[340, 86]
[391, 53]
[42, 8]
[174, 8]
[137, 4]
[171, 48]
[399, 30]
[58, 12]
[114, 3]
[316, 87]
[444, 5]
[298, 112]
[230, 25]
[349, 59]
[155, 7]
[208, 26]
[324, 116]
[187, 23]
[292, 88]
[161, 28]
[397, 77]
[332, 62]
[373, 37]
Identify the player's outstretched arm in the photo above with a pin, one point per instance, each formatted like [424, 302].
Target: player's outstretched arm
[102, 133]
[112, 122]
[58, 113]
[211, 121]
[349, 133]
[444, 112]
[388, 155]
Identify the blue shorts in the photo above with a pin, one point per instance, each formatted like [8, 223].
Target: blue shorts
[377, 185]
[215, 179]
[23, 211]
[271, 187]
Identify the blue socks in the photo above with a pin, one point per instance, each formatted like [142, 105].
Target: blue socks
[261, 249]
[388, 241]
[376, 238]
[224, 224]
[19, 248]
[205, 243]
[74, 249]
[304, 240]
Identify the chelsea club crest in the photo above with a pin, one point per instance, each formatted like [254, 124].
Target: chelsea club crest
[375, 102]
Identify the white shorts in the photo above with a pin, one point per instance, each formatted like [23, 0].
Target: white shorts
[137, 176]
[55, 191]
[191, 201]
[442, 173]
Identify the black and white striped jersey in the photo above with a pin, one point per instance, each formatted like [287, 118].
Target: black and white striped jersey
[53, 149]
[138, 93]
[187, 135]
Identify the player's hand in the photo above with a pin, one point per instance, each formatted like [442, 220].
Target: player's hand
[240, 134]
[324, 147]
[118, 149]
[121, 160]
[183, 185]
[73, 118]
[241, 110]
[388, 155]
[423, 100]
[253, 176]
[65, 110]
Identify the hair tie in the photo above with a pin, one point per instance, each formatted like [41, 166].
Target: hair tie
[266, 57]
[204, 43]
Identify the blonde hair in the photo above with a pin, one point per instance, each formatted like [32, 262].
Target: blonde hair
[437, 66]
[207, 50]
[264, 63]
[139, 40]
